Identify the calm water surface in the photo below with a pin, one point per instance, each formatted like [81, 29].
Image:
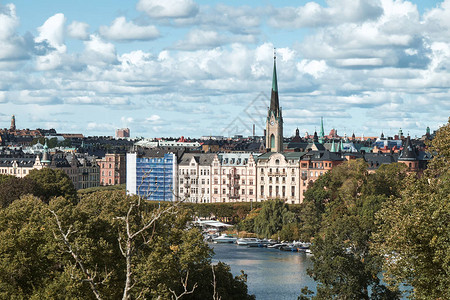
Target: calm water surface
[272, 274]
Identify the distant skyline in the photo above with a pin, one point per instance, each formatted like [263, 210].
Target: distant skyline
[198, 68]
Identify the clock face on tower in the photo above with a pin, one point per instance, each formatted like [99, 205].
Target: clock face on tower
[271, 123]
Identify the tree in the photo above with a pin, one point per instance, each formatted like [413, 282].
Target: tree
[77, 250]
[12, 188]
[273, 215]
[53, 183]
[344, 204]
[414, 234]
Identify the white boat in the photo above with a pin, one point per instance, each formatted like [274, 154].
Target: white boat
[277, 246]
[225, 238]
[248, 241]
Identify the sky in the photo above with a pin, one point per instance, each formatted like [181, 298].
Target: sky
[197, 68]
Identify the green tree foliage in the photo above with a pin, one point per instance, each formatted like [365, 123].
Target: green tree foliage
[53, 183]
[35, 261]
[341, 209]
[12, 188]
[414, 236]
[273, 215]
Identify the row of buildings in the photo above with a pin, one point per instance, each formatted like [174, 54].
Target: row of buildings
[84, 170]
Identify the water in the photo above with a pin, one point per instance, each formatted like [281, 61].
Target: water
[272, 274]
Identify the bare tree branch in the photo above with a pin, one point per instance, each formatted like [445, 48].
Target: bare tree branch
[214, 283]
[185, 292]
[64, 237]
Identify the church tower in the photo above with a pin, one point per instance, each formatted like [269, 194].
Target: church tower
[274, 123]
[13, 123]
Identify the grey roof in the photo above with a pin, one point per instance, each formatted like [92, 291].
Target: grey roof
[287, 155]
[235, 159]
[408, 152]
[203, 159]
[375, 160]
[21, 161]
[322, 156]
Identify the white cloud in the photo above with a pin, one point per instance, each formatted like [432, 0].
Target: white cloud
[168, 8]
[314, 68]
[121, 30]
[78, 30]
[12, 46]
[153, 119]
[99, 52]
[53, 31]
[51, 41]
[337, 12]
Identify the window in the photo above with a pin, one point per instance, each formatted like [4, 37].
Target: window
[270, 191]
[292, 191]
[216, 191]
[181, 180]
[243, 192]
[262, 190]
[277, 190]
[283, 190]
[250, 191]
[224, 191]
[216, 180]
[251, 182]
[181, 189]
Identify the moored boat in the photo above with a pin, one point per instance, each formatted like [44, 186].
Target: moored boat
[248, 241]
[225, 238]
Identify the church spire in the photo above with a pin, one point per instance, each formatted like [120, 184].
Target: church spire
[274, 103]
[322, 131]
[274, 124]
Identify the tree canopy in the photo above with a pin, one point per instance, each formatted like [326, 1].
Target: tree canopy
[70, 249]
[271, 218]
[339, 216]
[53, 183]
[414, 235]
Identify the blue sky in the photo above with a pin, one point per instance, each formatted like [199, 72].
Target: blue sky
[193, 68]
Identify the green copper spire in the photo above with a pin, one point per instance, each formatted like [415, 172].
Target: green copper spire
[333, 147]
[322, 131]
[341, 147]
[274, 103]
[274, 77]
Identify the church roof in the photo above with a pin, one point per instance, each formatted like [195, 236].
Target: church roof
[408, 152]
[274, 102]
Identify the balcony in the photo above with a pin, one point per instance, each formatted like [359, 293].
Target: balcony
[233, 176]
